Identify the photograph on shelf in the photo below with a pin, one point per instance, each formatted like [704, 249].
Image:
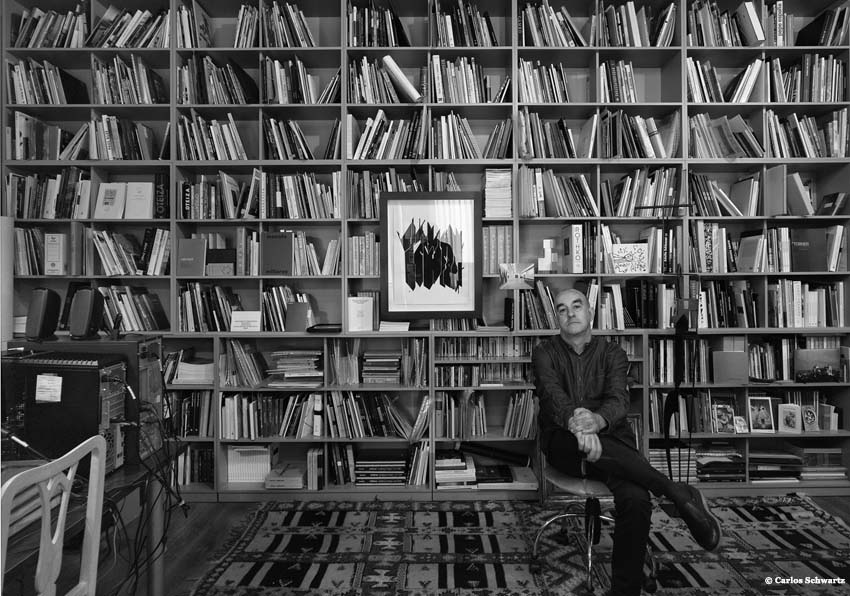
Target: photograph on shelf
[761, 415]
[431, 258]
[740, 424]
[789, 419]
[724, 418]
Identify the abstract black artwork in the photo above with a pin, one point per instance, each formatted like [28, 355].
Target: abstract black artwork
[429, 256]
[431, 259]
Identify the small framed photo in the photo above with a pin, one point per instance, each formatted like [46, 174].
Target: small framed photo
[761, 415]
[790, 419]
[740, 424]
[430, 255]
[724, 418]
[809, 414]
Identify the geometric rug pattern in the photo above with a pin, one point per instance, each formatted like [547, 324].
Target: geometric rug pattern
[477, 548]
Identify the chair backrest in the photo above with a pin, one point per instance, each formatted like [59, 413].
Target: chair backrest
[44, 493]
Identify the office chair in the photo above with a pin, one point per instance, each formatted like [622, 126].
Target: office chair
[44, 493]
[582, 498]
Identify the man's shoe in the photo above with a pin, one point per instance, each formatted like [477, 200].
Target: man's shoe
[703, 525]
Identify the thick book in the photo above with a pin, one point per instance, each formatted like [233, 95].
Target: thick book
[191, 257]
[808, 249]
[277, 253]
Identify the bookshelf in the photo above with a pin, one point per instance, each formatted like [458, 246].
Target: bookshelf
[263, 192]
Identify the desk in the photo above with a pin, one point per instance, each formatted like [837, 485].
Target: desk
[121, 485]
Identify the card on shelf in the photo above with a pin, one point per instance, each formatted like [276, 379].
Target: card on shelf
[111, 198]
[139, 201]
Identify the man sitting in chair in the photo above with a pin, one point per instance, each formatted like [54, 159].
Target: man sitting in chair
[581, 386]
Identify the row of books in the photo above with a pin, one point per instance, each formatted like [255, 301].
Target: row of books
[464, 81]
[768, 251]
[803, 136]
[240, 364]
[132, 308]
[497, 247]
[66, 195]
[792, 303]
[204, 307]
[634, 136]
[364, 254]
[268, 195]
[543, 193]
[202, 80]
[33, 82]
[709, 26]
[815, 78]
[459, 415]
[289, 81]
[195, 464]
[365, 188]
[36, 28]
[198, 139]
[704, 82]
[284, 26]
[497, 193]
[381, 81]
[117, 82]
[374, 26]
[627, 25]
[543, 83]
[284, 140]
[696, 351]
[247, 463]
[383, 138]
[494, 374]
[484, 348]
[290, 253]
[189, 413]
[461, 25]
[723, 137]
[538, 138]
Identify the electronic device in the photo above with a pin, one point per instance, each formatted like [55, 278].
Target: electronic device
[67, 398]
[142, 355]
[86, 316]
[42, 314]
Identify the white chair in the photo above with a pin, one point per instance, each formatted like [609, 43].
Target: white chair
[44, 493]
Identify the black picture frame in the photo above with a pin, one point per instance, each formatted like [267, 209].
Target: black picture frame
[446, 285]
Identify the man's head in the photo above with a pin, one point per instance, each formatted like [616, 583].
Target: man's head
[574, 314]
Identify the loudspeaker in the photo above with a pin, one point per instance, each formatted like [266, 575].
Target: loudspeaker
[42, 314]
[86, 315]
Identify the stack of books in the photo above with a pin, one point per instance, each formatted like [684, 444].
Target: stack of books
[497, 193]
[381, 366]
[505, 477]
[286, 476]
[455, 472]
[380, 467]
[295, 368]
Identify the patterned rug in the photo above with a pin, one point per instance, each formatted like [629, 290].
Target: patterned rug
[771, 545]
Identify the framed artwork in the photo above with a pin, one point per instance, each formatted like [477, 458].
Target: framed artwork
[723, 417]
[790, 418]
[430, 255]
[761, 415]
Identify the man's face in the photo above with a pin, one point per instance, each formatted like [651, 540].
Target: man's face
[574, 314]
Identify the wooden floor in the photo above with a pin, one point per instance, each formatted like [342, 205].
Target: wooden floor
[194, 539]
